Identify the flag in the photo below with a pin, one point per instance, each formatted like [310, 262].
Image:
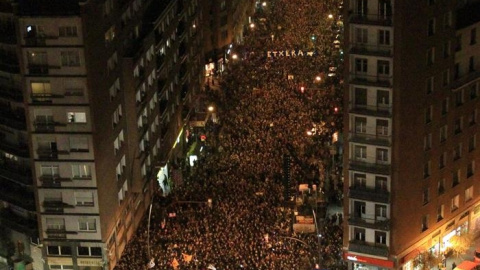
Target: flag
[175, 263]
[187, 257]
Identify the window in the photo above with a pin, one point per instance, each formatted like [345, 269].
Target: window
[471, 64]
[90, 251]
[361, 96]
[41, 91]
[67, 31]
[359, 234]
[77, 117]
[359, 180]
[424, 223]
[458, 125]
[470, 168]
[472, 142]
[381, 183]
[458, 43]
[457, 151]
[37, 58]
[87, 224]
[361, 65]
[456, 71]
[55, 224]
[455, 203]
[380, 212]
[446, 49]
[50, 171]
[429, 85]
[110, 35]
[384, 37]
[59, 250]
[112, 61]
[382, 127]
[383, 98]
[60, 266]
[430, 56]
[473, 91]
[443, 133]
[383, 67]
[223, 5]
[108, 6]
[427, 142]
[382, 155]
[361, 35]
[442, 160]
[456, 178]
[83, 198]
[440, 212]
[447, 19]
[445, 106]
[426, 196]
[70, 59]
[428, 114]
[468, 194]
[360, 124]
[360, 152]
[427, 169]
[78, 144]
[81, 171]
[431, 27]
[472, 118]
[473, 36]
[446, 77]
[441, 186]
[380, 237]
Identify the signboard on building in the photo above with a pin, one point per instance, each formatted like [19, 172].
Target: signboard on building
[368, 260]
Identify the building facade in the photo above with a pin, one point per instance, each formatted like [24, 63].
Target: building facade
[105, 88]
[225, 22]
[411, 104]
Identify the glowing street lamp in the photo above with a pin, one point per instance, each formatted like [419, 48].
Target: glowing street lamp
[211, 108]
[252, 25]
[330, 16]
[234, 56]
[302, 89]
[264, 4]
[318, 78]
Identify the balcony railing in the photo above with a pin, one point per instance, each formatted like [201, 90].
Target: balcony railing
[374, 139]
[55, 206]
[50, 153]
[369, 194]
[371, 80]
[369, 221]
[53, 180]
[374, 50]
[38, 69]
[368, 248]
[372, 19]
[383, 110]
[371, 167]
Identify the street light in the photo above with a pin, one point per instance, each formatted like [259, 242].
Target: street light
[252, 25]
[330, 16]
[318, 78]
[211, 108]
[234, 56]
[264, 4]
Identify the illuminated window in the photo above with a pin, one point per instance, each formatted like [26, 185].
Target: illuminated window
[77, 117]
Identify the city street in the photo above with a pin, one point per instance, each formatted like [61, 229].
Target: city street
[279, 100]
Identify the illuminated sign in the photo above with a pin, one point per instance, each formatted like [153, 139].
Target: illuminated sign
[289, 53]
[368, 260]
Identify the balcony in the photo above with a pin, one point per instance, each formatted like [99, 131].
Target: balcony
[368, 248]
[55, 206]
[38, 40]
[372, 50]
[371, 19]
[50, 154]
[17, 149]
[58, 233]
[17, 223]
[15, 172]
[43, 126]
[461, 81]
[53, 181]
[371, 80]
[16, 195]
[369, 167]
[369, 194]
[374, 139]
[369, 221]
[13, 119]
[45, 97]
[12, 93]
[38, 69]
[380, 110]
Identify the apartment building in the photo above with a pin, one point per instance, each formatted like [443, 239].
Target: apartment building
[412, 82]
[17, 209]
[225, 24]
[96, 95]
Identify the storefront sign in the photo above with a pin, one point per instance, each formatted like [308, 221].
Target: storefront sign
[59, 261]
[89, 262]
[368, 260]
[289, 53]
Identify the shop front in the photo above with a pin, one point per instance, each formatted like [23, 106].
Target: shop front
[357, 262]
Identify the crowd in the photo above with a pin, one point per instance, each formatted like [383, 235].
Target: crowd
[247, 224]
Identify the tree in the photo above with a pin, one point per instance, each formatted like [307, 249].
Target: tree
[426, 260]
[461, 243]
